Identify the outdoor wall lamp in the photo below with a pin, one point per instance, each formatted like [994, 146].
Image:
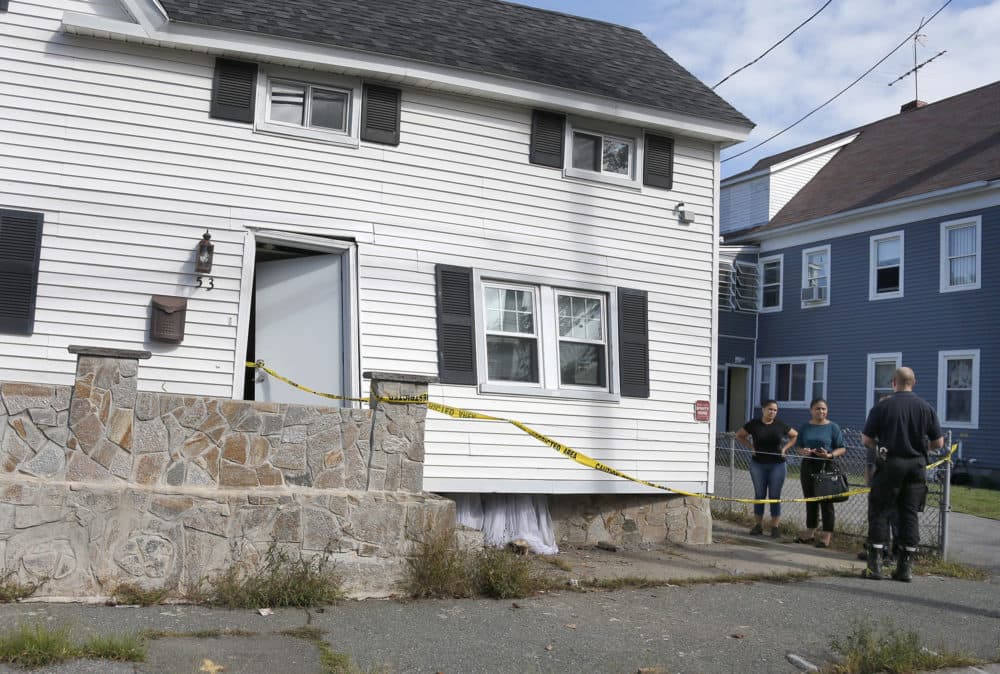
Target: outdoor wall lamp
[684, 216]
[205, 251]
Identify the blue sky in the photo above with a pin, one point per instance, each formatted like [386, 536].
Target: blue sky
[711, 38]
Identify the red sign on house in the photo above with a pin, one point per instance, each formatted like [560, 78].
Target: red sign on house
[702, 411]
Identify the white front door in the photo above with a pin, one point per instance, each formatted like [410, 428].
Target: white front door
[298, 325]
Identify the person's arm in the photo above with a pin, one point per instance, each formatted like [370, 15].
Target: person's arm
[800, 444]
[792, 436]
[837, 441]
[936, 444]
[868, 442]
[745, 439]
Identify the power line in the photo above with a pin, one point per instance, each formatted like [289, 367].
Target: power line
[771, 48]
[841, 92]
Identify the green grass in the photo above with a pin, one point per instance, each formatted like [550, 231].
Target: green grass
[130, 594]
[331, 661]
[871, 650]
[639, 582]
[38, 645]
[277, 581]
[976, 501]
[932, 565]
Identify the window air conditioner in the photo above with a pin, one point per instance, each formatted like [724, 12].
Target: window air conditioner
[814, 294]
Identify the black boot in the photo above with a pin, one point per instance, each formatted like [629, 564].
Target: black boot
[904, 566]
[874, 568]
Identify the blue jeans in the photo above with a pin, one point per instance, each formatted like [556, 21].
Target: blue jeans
[768, 479]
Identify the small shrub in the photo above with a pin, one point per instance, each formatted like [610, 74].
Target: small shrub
[127, 593]
[501, 574]
[11, 589]
[441, 568]
[867, 651]
[277, 581]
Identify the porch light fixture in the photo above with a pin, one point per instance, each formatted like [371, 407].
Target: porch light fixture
[203, 257]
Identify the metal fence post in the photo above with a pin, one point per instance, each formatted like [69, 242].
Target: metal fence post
[945, 503]
[732, 471]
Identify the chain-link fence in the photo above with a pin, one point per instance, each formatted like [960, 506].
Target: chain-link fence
[732, 479]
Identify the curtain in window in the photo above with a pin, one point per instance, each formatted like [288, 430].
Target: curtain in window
[962, 255]
[959, 393]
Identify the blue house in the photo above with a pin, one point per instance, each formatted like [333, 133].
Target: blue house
[864, 251]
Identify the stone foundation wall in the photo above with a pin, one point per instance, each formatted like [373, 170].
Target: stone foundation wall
[102, 484]
[629, 519]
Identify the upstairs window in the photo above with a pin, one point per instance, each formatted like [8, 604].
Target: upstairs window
[771, 276]
[961, 261]
[603, 154]
[816, 277]
[885, 278]
[308, 106]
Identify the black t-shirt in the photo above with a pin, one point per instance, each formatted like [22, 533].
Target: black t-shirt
[901, 422]
[767, 439]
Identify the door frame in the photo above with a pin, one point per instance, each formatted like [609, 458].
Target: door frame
[350, 314]
[748, 407]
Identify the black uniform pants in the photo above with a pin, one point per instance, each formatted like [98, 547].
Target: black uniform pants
[899, 485]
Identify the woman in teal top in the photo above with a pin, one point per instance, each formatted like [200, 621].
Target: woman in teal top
[819, 441]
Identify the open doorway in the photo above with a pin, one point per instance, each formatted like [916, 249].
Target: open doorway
[737, 396]
[301, 318]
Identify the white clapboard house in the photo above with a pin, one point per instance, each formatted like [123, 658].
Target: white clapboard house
[520, 202]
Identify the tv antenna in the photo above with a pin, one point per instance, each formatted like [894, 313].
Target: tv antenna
[918, 38]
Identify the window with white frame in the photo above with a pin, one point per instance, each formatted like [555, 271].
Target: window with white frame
[958, 388]
[771, 276]
[885, 277]
[606, 153]
[321, 109]
[816, 276]
[544, 337]
[793, 382]
[961, 259]
[881, 368]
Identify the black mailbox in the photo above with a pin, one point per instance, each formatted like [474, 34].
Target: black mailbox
[169, 314]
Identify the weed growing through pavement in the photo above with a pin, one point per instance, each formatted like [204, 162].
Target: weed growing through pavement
[636, 582]
[557, 562]
[501, 574]
[933, 565]
[440, 568]
[131, 594]
[870, 650]
[331, 661]
[38, 645]
[11, 589]
[278, 580]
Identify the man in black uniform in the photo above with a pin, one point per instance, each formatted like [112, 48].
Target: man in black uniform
[897, 428]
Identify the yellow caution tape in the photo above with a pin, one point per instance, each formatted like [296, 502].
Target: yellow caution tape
[579, 457]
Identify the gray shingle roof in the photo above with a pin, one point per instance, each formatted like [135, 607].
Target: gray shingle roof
[955, 141]
[482, 36]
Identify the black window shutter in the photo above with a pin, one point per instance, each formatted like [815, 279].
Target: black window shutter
[3, 5]
[20, 244]
[633, 338]
[548, 132]
[380, 110]
[234, 90]
[456, 331]
[658, 165]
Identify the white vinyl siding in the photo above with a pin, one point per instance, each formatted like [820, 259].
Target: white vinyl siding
[958, 388]
[113, 143]
[961, 254]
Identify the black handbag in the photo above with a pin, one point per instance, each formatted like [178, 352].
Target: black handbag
[830, 481]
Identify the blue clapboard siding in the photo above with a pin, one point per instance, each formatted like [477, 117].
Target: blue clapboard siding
[919, 325]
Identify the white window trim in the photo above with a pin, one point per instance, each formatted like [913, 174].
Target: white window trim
[351, 85]
[977, 221]
[548, 334]
[873, 293]
[829, 276]
[633, 180]
[942, 404]
[872, 359]
[809, 362]
[780, 259]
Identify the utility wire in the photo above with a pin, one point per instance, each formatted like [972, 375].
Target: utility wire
[771, 48]
[841, 92]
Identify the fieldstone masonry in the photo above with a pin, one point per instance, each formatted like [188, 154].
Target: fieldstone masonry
[104, 484]
[630, 519]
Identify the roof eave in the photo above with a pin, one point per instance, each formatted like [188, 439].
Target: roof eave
[153, 29]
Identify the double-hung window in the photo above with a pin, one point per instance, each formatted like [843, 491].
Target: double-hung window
[793, 382]
[958, 388]
[545, 339]
[881, 368]
[770, 282]
[961, 259]
[885, 276]
[816, 277]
